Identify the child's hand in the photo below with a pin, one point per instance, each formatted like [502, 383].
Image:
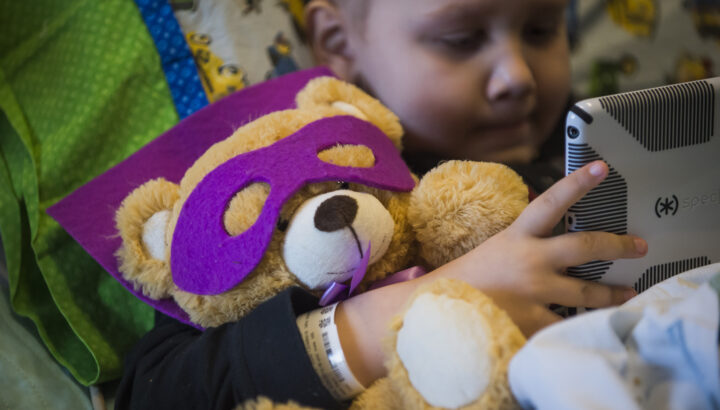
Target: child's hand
[522, 268]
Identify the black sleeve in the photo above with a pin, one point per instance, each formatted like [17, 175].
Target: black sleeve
[176, 366]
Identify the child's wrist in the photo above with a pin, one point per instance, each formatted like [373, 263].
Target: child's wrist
[322, 343]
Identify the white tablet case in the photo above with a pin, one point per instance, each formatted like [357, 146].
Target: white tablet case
[663, 149]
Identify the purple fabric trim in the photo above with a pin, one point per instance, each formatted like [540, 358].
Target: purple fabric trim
[337, 291]
[402, 276]
[334, 293]
[361, 269]
[88, 214]
[206, 260]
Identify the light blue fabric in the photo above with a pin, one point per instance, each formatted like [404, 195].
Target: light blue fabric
[658, 352]
[29, 377]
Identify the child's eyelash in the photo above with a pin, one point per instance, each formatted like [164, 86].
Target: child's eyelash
[462, 42]
[541, 33]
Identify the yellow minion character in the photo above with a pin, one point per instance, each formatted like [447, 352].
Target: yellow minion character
[691, 68]
[218, 79]
[706, 17]
[637, 17]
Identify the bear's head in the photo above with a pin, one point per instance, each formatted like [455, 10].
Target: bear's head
[305, 197]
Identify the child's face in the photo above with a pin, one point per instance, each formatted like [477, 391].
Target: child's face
[474, 79]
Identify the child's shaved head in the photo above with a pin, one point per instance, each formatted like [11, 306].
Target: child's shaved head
[474, 79]
[358, 8]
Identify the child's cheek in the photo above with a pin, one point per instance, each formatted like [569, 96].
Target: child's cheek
[435, 124]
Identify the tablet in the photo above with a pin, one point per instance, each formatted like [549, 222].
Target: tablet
[663, 150]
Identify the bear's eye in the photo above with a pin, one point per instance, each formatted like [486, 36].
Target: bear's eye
[282, 224]
[344, 185]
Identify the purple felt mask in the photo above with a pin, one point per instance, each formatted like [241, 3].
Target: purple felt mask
[206, 260]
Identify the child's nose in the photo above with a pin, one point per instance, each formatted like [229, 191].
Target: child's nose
[510, 78]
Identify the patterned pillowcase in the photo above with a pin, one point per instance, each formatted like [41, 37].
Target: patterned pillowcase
[624, 45]
[239, 43]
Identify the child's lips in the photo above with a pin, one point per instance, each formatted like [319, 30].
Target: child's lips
[506, 134]
[507, 125]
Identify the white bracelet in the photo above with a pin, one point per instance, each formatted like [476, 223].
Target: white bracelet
[320, 336]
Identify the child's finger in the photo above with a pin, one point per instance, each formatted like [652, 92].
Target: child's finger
[529, 314]
[542, 318]
[575, 292]
[543, 213]
[577, 248]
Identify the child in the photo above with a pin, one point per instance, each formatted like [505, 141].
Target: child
[472, 79]
[480, 80]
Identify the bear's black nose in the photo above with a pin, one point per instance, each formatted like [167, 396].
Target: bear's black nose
[336, 213]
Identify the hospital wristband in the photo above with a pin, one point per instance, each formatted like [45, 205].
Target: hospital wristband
[322, 343]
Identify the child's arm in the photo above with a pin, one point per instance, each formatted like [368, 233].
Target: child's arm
[521, 269]
[175, 366]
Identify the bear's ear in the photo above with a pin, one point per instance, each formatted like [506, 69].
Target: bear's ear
[142, 221]
[334, 97]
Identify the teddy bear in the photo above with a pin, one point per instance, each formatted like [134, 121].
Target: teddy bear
[319, 197]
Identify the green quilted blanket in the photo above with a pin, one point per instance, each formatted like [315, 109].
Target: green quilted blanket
[81, 88]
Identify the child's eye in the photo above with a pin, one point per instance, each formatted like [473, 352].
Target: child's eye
[464, 42]
[541, 34]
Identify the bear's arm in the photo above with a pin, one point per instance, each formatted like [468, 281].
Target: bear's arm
[176, 366]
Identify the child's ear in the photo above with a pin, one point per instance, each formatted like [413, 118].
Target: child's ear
[327, 32]
[142, 221]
